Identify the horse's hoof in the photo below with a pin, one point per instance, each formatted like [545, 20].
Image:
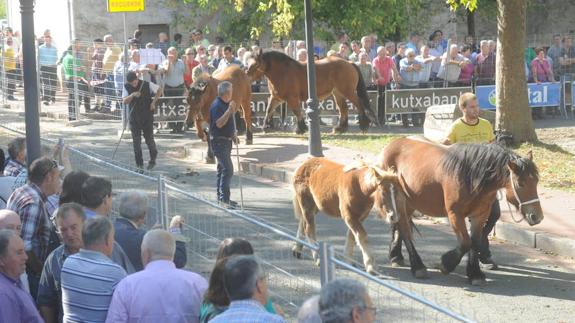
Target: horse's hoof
[317, 262]
[210, 160]
[371, 271]
[478, 282]
[442, 269]
[296, 252]
[421, 273]
[397, 263]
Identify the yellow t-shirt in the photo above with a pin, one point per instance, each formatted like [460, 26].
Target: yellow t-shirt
[461, 132]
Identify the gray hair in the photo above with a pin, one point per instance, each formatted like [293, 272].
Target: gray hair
[15, 146]
[300, 43]
[301, 50]
[108, 37]
[309, 311]
[338, 299]
[96, 230]
[410, 51]
[483, 42]
[241, 274]
[160, 243]
[5, 236]
[133, 205]
[224, 88]
[64, 210]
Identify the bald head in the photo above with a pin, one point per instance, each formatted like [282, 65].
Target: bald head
[158, 245]
[309, 311]
[10, 220]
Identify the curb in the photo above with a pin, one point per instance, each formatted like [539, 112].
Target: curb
[503, 230]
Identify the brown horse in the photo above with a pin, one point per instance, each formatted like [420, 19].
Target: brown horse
[204, 92]
[458, 181]
[348, 193]
[287, 81]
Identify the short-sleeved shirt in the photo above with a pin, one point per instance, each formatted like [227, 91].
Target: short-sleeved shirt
[175, 77]
[88, 282]
[247, 311]
[49, 288]
[47, 56]
[383, 67]
[461, 132]
[217, 109]
[542, 70]
[16, 304]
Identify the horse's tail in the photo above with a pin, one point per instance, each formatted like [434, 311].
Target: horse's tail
[366, 114]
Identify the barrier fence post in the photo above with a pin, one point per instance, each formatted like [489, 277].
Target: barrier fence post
[326, 266]
[162, 209]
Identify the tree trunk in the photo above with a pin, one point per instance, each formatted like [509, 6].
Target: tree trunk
[471, 23]
[513, 111]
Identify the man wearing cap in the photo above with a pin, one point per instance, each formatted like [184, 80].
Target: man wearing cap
[29, 201]
[138, 95]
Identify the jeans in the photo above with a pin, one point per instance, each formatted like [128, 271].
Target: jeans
[49, 80]
[147, 129]
[223, 151]
[381, 103]
[484, 252]
[83, 94]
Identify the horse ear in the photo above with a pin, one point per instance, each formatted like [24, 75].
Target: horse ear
[530, 155]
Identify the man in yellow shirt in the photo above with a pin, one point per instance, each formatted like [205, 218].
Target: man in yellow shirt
[11, 73]
[472, 129]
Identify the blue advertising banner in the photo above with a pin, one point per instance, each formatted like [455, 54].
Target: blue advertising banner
[540, 95]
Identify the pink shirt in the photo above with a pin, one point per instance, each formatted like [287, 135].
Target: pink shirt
[542, 69]
[466, 72]
[383, 68]
[159, 293]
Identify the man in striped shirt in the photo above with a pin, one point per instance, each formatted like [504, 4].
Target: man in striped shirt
[89, 277]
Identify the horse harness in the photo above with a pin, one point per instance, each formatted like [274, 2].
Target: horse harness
[521, 204]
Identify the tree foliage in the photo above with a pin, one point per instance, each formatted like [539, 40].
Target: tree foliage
[252, 18]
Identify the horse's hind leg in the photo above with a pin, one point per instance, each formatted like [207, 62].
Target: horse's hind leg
[474, 274]
[343, 113]
[247, 109]
[349, 244]
[418, 269]
[295, 106]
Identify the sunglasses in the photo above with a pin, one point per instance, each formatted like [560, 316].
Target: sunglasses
[53, 165]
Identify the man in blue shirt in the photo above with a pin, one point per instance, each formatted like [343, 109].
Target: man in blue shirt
[222, 133]
[48, 58]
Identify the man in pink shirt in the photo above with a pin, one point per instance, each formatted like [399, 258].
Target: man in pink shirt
[160, 292]
[385, 69]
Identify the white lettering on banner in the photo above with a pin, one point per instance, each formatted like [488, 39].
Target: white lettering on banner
[537, 97]
[258, 106]
[422, 102]
[170, 109]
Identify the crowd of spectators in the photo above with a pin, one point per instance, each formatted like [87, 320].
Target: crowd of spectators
[63, 259]
[93, 73]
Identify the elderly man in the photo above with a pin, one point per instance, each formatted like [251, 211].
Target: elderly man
[29, 201]
[129, 233]
[301, 55]
[144, 72]
[16, 162]
[345, 300]
[366, 46]
[485, 69]
[69, 221]
[9, 220]
[247, 287]
[309, 311]
[90, 276]
[160, 292]
[451, 64]
[222, 134]
[174, 69]
[409, 69]
[16, 305]
[426, 62]
[202, 70]
[366, 71]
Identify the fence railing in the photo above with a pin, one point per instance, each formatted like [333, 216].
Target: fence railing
[207, 224]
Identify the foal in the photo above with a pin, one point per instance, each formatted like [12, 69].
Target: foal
[348, 193]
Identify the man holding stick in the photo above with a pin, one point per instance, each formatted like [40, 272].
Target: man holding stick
[138, 95]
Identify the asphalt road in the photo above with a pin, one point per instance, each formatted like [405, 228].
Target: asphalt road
[529, 286]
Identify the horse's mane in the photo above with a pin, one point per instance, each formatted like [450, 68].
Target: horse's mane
[479, 167]
[279, 57]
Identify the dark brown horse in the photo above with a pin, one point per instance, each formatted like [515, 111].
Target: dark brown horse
[287, 81]
[348, 193]
[458, 181]
[204, 92]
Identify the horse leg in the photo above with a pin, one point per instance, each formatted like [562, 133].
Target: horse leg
[273, 103]
[246, 107]
[343, 113]
[452, 258]
[298, 247]
[295, 107]
[474, 274]
[349, 244]
[308, 211]
[395, 256]
[418, 269]
[360, 234]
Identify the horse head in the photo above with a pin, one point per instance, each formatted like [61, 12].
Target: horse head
[256, 66]
[195, 100]
[521, 188]
[389, 199]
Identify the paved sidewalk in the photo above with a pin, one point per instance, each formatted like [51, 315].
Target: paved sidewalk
[277, 157]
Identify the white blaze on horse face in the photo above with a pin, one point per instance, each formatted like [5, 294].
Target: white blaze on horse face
[392, 215]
